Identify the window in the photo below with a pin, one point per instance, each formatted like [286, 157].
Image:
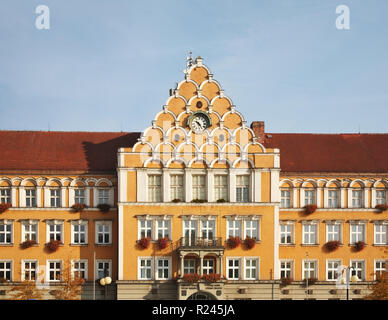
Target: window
[199, 187]
[5, 232]
[286, 269]
[309, 269]
[310, 233]
[79, 230]
[6, 270]
[358, 269]
[188, 266]
[208, 229]
[381, 234]
[29, 270]
[79, 196]
[5, 195]
[208, 266]
[103, 232]
[285, 198]
[286, 233]
[55, 198]
[54, 271]
[357, 233]
[233, 268]
[332, 199]
[30, 198]
[155, 188]
[333, 232]
[55, 230]
[251, 229]
[380, 267]
[103, 196]
[29, 230]
[176, 187]
[233, 228]
[381, 197]
[103, 268]
[145, 269]
[220, 187]
[145, 229]
[163, 228]
[332, 270]
[356, 198]
[190, 231]
[251, 268]
[80, 269]
[162, 268]
[309, 197]
[242, 188]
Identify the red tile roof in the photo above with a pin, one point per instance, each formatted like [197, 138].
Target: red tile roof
[347, 153]
[62, 151]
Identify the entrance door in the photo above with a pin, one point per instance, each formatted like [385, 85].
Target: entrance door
[201, 295]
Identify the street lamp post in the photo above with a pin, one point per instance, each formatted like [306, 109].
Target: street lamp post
[105, 282]
[349, 279]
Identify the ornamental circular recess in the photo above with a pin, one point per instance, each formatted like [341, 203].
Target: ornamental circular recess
[202, 295]
[199, 121]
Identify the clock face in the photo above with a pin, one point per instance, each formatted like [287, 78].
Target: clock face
[199, 122]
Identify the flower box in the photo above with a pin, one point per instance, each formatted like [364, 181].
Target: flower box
[211, 277]
[163, 243]
[198, 200]
[221, 200]
[176, 200]
[249, 242]
[358, 246]
[234, 242]
[53, 245]
[191, 277]
[381, 207]
[311, 281]
[78, 207]
[104, 207]
[144, 243]
[4, 207]
[310, 208]
[286, 281]
[332, 245]
[27, 244]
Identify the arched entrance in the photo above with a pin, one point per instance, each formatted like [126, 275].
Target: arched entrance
[202, 295]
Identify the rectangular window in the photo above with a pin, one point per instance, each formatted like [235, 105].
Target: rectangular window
[233, 268]
[220, 187]
[309, 197]
[5, 232]
[163, 268]
[80, 269]
[190, 231]
[208, 266]
[356, 198]
[5, 195]
[6, 270]
[310, 233]
[79, 196]
[55, 198]
[208, 229]
[286, 269]
[381, 197]
[199, 187]
[54, 271]
[103, 196]
[332, 269]
[286, 233]
[251, 268]
[163, 228]
[30, 198]
[381, 234]
[309, 269]
[29, 231]
[80, 232]
[155, 188]
[233, 228]
[145, 268]
[357, 233]
[145, 229]
[252, 229]
[285, 198]
[188, 266]
[242, 188]
[358, 269]
[29, 270]
[176, 187]
[380, 267]
[55, 231]
[103, 268]
[103, 232]
[333, 199]
[333, 232]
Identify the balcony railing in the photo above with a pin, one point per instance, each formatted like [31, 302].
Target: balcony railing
[200, 242]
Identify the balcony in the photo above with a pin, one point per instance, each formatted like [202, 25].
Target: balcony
[200, 243]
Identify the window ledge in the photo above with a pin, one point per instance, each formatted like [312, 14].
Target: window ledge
[103, 244]
[310, 245]
[6, 244]
[379, 245]
[78, 244]
[287, 244]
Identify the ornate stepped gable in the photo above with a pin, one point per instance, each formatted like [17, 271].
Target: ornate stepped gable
[176, 138]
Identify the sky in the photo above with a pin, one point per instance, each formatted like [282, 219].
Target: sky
[108, 65]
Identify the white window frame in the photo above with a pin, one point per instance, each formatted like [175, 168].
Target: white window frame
[188, 267]
[199, 191]
[102, 198]
[339, 224]
[28, 223]
[74, 269]
[286, 269]
[284, 199]
[207, 266]
[254, 231]
[287, 224]
[163, 227]
[310, 200]
[48, 270]
[6, 223]
[243, 188]
[221, 187]
[309, 269]
[78, 197]
[5, 269]
[228, 268]
[315, 234]
[147, 228]
[57, 198]
[23, 268]
[351, 233]
[381, 200]
[354, 199]
[157, 268]
[5, 195]
[339, 261]
[105, 261]
[361, 272]
[150, 267]
[379, 269]
[209, 228]
[79, 223]
[55, 223]
[154, 191]
[331, 198]
[30, 197]
[177, 190]
[251, 268]
[232, 230]
[383, 225]
[104, 223]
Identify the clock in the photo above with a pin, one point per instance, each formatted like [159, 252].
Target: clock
[199, 121]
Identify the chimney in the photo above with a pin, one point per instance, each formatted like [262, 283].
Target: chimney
[258, 129]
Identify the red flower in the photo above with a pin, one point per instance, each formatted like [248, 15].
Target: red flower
[4, 207]
[191, 277]
[332, 245]
[249, 242]
[381, 207]
[144, 243]
[28, 243]
[211, 277]
[78, 207]
[286, 281]
[163, 243]
[53, 245]
[358, 246]
[310, 208]
[104, 207]
[234, 242]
